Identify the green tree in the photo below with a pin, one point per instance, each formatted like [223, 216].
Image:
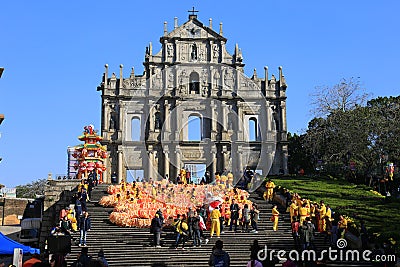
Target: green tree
[298, 157]
[344, 96]
[30, 190]
[360, 135]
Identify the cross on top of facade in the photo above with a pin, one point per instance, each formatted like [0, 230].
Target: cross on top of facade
[193, 12]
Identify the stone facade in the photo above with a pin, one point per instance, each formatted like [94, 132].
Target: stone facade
[145, 118]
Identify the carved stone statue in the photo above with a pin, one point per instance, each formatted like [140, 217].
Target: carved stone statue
[157, 121]
[215, 51]
[182, 85]
[170, 50]
[194, 52]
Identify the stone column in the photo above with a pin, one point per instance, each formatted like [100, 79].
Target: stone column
[283, 120]
[167, 119]
[239, 161]
[121, 124]
[214, 159]
[214, 124]
[177, 127]
[151, 116]
[150, 162]
[120, 166]
[178, 161]
[285, 159]
[224, 157]
[166, 163]
[223, 116]
[240, 124]
[106, 116]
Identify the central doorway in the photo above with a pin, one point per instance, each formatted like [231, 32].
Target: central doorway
[197, 171]
[134, 175]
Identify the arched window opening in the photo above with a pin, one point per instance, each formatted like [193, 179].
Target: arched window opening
[194, 128]
[253, 129]
[135, 129]
[194, 83]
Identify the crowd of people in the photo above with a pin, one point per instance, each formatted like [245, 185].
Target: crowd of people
[308, 217]
[136, 203]
[190, 209]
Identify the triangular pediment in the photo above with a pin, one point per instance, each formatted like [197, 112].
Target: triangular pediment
[193, 28]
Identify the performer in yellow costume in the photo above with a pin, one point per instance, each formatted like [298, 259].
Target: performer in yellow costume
[293, 209]
[321, 219]
[230, 180]
[270, 190]
[183, 176]
[303, 211]
[215, 226]
[275, 214]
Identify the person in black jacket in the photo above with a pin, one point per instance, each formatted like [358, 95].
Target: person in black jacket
[219, 257]
[83, 259]
[155, 228]
[234, 208]
[84, 225]
[196, 229]
[160, 216]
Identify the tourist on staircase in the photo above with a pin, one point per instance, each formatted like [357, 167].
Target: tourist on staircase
[222, 218]
[155, 229]
[295, 232]
[30, 262]
[84, 226]
[245, 218]
[196, 230]
[102, 259]
[83, 197]
[202, 228]
[57, 260]
[182, 231]
[83, 259]
[307, 231]
[254, 216]
[190, 215]
[219, 257]
[234, 209]
[65, 225]
[77, 207]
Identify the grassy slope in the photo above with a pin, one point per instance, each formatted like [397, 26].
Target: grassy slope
[356, 201]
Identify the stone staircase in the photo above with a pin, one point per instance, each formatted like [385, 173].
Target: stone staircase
[132, 246]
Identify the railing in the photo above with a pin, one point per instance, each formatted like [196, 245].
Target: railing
[64, 177]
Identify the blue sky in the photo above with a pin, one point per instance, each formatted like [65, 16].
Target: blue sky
[54, 54]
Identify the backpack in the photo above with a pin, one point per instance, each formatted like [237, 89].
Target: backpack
[175, 225]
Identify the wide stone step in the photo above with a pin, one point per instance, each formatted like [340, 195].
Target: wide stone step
[132, 246]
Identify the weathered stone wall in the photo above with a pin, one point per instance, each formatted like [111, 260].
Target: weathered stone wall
[11, 208]
[58, 194]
